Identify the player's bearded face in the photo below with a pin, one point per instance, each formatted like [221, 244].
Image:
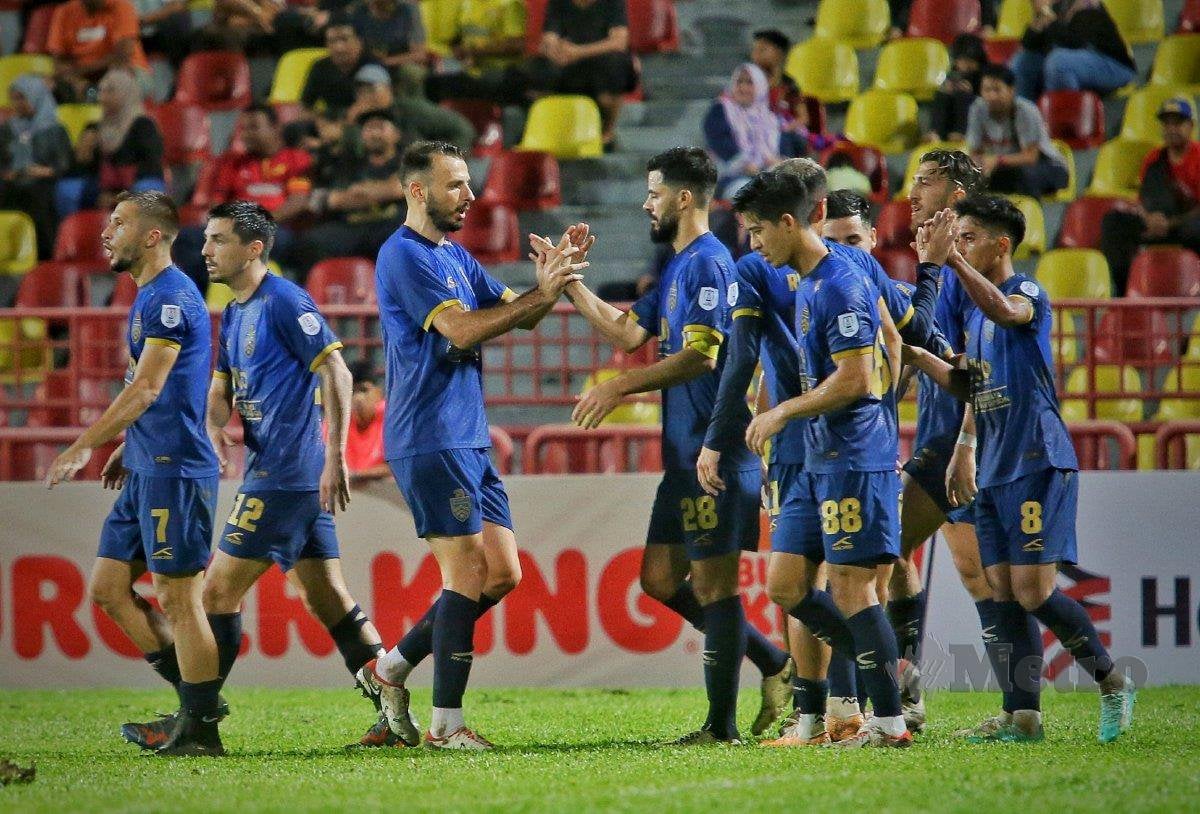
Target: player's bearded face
[122, 239]
[931, 193]
[449, 196]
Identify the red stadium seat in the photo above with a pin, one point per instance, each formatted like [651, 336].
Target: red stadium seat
[491, 233]
[215, 80]
[1081, 222]
[342, 281]
[185, 131]
[54, 284]
[524, 181]
[535, 21]
[1076, 117]
[206, 181]
[893, 226]
[487, 119]
[1189, 18]
[37, 29]
[79, 237]
[1164, 271]
[56, 386]
[867, 160]
[900, 264]
[1000, 51]
[653, 26]
[124, 292]
[1139, 337]
[943, 19]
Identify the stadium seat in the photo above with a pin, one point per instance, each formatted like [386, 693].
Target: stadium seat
[1067, 193]
[1064, 338]
[867, 160]
[342, 281]
[79, 236]
[899, 263]
[53, 284]
[487, 119]
[653, 26]
[893, 226]
[18, 243]
[1074, 116]
[1118, 169]
[1189, 17]
[1074, 274]
[1134, 336]
[627, 412]
[943, 20]
[566, 126]
[826, 69]
[75, 117]
[291, 72]
[37, 29]
[884, 120]
[185, 132]
[442, 24]
[914, 66]
[1109, 379]
[1139, 21]
[217, 297]
[1035, 226]
[491, 233]
[1013, 18]
[1164, 271]
[525, 181]
[1177, 62]
[1184, 379]
[124, 291]
[15, 65]
[1081, 222]
[858, 23]
[215, 80]
[1140, 119]
[914, 161]
[56, 386]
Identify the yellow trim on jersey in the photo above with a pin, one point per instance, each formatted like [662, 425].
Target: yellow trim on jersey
[1032, 305]
[632, 316]
[705, 347]
[907, 318]
[507, 295]
[703, 329]
[747, 312]
[166, 343]
[865, 350]
[220, 374]
[325, 351]
[439, 308]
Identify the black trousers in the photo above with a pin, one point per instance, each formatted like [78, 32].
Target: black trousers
[1121, 239]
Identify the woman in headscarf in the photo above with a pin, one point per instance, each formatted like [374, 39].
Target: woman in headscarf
[1072, 45]
[131, 147]
[743, 132]
[34, 151]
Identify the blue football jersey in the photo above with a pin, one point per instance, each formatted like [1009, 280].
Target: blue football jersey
[170, 439]
[434, 390]
[270, 345]
[939, 414]
[837, 315]
[897, 295]
[694, 298]
[1016, 410]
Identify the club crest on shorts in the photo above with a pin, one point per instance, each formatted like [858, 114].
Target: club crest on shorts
[309, 323]
[135, 330]
[708, 297]
[171, 315]
[460, 505]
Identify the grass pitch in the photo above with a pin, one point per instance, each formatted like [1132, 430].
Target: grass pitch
[587, 750]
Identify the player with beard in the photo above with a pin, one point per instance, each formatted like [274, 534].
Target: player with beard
[166, 470]
[437, 304]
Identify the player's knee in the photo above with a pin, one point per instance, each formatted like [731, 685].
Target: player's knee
[218, 598]
[785, 595]
[1029, 596]
[111, 597]
[658, 585]
[501, 582]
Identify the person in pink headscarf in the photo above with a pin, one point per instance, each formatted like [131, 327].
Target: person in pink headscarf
[742, 132]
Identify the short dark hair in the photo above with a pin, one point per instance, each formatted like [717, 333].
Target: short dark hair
[419, 156]
[689, 168]
[1001, 73]
[158, 207]
[364, 371]
[996, 214]
[251, 221]
[812, 175]
[377, 113]
[341, 19]
[956, 167]
[265, 109]
[846, 203]
[775, 37]
[772, 194]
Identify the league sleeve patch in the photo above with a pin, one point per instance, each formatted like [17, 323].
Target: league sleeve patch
[708, 298]
[731, 296]
[170, 316]
[309, 323]
[848, 324]
[1030, 289]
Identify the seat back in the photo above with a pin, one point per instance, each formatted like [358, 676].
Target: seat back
[884, 120]
[943, 19]
[1164, 271]
[1139, 21]
[1140, 122]
[1082, 221]
[15, 65]
[18, 243]
[1035, 226]
[1075, 116]
[1177, 61]
[342, 280]
[826, 69]
[291, 73]
[79, 236]
[566, 126]
[914, 66]
[1074, 274]
[1118, 169]
[215, 80]
[75, 117]
[858, 23]
[524, 181]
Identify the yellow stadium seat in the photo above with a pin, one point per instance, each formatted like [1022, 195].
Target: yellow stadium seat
[1035, 226]
[1175, 409]
[884, 120]
[1109, 379]
[1064, 338]
[442, 22]
[1118, 169]
[217, 297]
[18, 243]
[1140, 120]
[77, 117]
[291, 73]
[916, 66]
[858, 23]
[627, 412]
[914, 161]
[1069, 274]
[1014, 17]
[826, 69]
[1193, 346]
[1177, 62]
[1067, 193]
[566, 126]
[30, 363]
[1139, 21]
[15, 65]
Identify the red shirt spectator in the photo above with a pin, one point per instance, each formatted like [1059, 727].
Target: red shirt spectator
[268, 172]
[1185, 172]
[364, 440]
[90, 36]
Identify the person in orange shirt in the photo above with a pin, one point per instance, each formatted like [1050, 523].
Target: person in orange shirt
[364, 441]
[88, 37]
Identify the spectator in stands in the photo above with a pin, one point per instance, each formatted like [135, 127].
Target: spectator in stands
[840, 173]
[1168, 205]
[166, 28]
[87, 38]
[1008, 138]
[364, 441]
[418, 118]
[1072, 45]
[769, 52]
[34, 152]
[242, 25]
[491, 53]
[364, 202]
[392, 32]
[329, 89]
[585, 50]
[900, 10]
[952, 102]
[743, 132]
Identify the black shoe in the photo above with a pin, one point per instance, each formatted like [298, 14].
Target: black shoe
[153, 734]
[193, 736]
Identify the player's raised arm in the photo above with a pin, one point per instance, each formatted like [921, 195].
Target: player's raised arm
[689, 363]
[1005, 311]
[945, 375]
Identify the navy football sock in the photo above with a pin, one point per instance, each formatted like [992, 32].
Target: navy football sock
[905, 614]
[165, 662]
[1022, 681]
[418, 642]
[200, 700]
[768, 658]
[684, 602]
[352, 643]
[227, 631]
[843, 681]
[809, 695]
[1068, 620]
[821, 616]
[724, 649]
[875, 653]
[989, 622]
[453, 646]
